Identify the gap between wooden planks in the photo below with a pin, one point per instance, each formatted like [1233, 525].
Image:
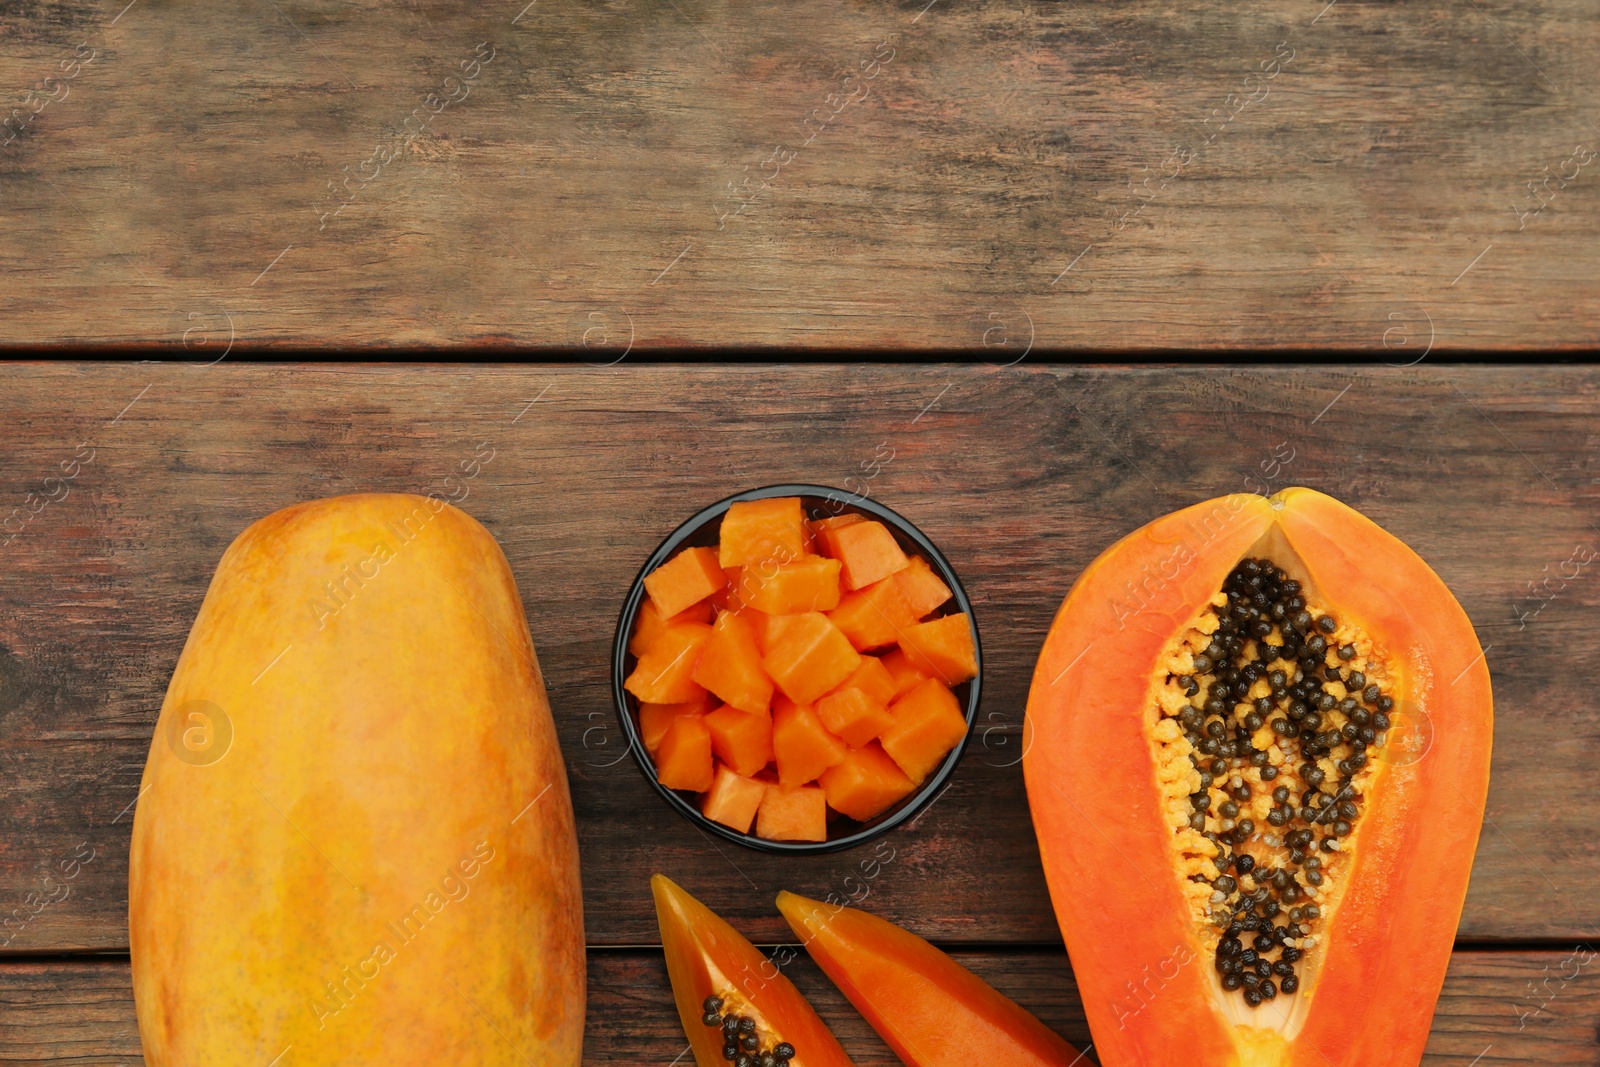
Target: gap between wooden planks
[81, 1011]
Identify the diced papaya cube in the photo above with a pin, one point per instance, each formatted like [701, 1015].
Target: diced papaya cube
[648, 624]
[793, 814]
[683, 761]
[730, 666]
[656, 719]
[866, 550]
[733, 799]
[757, 530]
[905, 674]
[727, 598]
[819, 527]
[865, 782]
[942, 648]
[802, 745]
[853, 715]
[874, 616]
[808, 584]
[927, 724]
[741, 739]
[760, 623]
[874, 679]
[924, 590]
[665, 673]
[690, 576]
[770, 629]
[808, 656]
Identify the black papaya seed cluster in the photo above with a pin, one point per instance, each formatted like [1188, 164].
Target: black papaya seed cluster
[741, 1045]
[1319, 711]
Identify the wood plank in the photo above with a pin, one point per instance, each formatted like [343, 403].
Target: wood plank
[82, 1013]
[693, 172]
[1022, 475]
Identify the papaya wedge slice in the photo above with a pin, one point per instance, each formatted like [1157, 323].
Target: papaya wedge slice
[1257, 754]
[931, 1010]
[737, 1008]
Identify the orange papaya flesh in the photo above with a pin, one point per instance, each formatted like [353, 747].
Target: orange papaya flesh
[651, 625]
[665, 672]
[760, 625]
[924, 591]
[808, 657]
[730, 664]
[727, 598]
[865, 783]
[906, 675]
[733, 799]
[926, 724]
[831, 522]
[931, 1011]
[874, 679]
[810, 583]
[942, 648]
[656, 719]
[716, 974]
[802, 747]
[755, 531]
[798, 814]
[853, 715]
[683, 756]
[866, 550]
[808, 540]
[875, 616]
[741, 739]
[684, 580]
[1377, 836]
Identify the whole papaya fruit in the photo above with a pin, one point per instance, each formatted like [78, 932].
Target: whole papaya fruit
[354, 842]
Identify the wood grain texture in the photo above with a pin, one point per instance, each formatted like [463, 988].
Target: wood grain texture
[694, 172]
[82, 1013]
[1021, 475]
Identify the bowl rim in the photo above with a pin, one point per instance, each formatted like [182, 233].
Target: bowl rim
[925, 793]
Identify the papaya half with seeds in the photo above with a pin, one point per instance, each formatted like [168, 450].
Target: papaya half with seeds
[737, 1007]
[354, 842]
[1258, 752]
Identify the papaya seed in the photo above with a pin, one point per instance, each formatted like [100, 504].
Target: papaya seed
[1269, 660]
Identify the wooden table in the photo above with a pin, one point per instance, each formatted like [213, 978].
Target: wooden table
[839, 173]
[1021, 474]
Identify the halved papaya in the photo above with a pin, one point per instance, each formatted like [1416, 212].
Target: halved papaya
[931, 1010]
[1257, 757]
[733, 1000]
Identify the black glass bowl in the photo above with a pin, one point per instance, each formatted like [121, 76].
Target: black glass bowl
[818, 501]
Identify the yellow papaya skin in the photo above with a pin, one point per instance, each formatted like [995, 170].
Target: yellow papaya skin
[354, 842]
